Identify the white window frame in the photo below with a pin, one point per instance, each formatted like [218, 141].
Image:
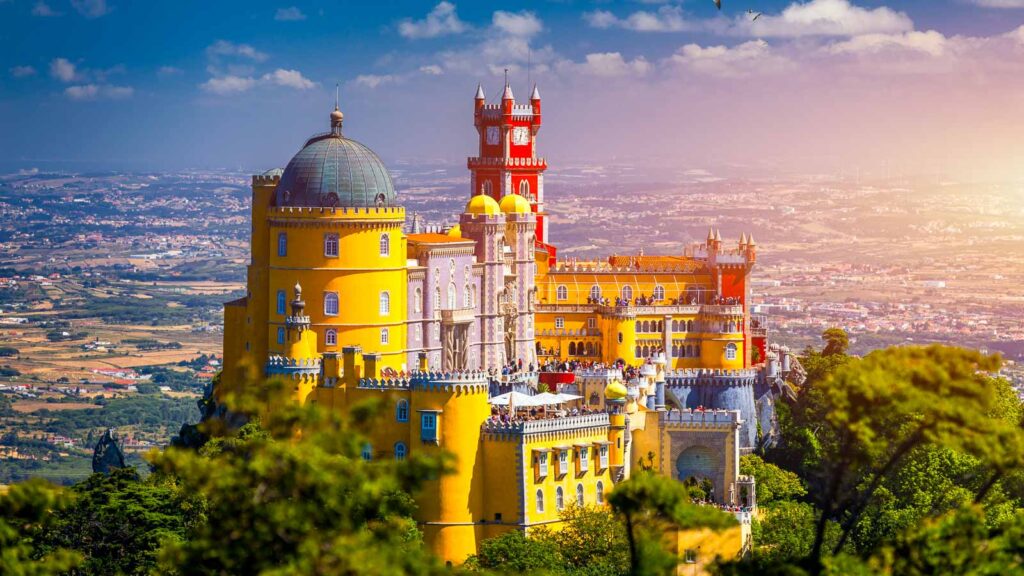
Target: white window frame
[584, 457]
[562, 293]
[591, 323]
[627, 292]
[559, 322]
[559, 498]
[327, 301]
[580, 497]
[542, 464]
[331, 243]
[331, 337]
[384, 336]
[402, 410]
[599, 489]
[385, 244]
[659, 293]
[730, 351]
[539, 500]
[602, 453]
[524, 188]
[385, 303]
[595, 291]
[417, 300]
[563, 462]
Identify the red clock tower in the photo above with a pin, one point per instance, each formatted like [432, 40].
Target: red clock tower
[507, 162]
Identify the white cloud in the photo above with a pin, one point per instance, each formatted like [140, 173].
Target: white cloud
[611, 64]
[666, 19]
[94, 92]
[998, 3]
[522, 24]
[228, 85]
[374, 80]
[289, 14]
[43, 9]
[752, 58]
[22, 71]
[440, 21]
[168, 71]
[289, 79]
[431, 70]
[931, 43]
[825, 18]
[225, 48]
[63, 70]
[91, 8]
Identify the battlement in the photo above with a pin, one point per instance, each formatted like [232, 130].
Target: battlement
[601, 266]
[487, 162]
[292, 367]
[467, 381]
[334, 212]
[695, 376]
[264, 180]
[600, 374]
[583, 422]
[725, 419]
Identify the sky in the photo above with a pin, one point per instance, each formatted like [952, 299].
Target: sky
[929, 87]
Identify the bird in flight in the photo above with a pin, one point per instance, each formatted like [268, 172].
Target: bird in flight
[755, 15]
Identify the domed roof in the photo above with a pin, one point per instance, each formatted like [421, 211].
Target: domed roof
[483, 204]
[334, 171]
[455, 231]
[615, 390]
[515, 204]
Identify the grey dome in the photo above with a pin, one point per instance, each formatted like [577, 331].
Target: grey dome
[334, 171]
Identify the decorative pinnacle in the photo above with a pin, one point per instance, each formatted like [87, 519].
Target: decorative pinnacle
[479, 92]
[536, 93]
[336, 116]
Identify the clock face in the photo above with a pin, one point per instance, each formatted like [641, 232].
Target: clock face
[492, 135]
[521, 135]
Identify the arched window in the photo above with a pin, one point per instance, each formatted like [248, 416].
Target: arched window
[451, 296]
[467, 297]
[637, 326]
[659, 293]
[730, 351]
[385, 244]
[384, 336]
[331, 337]
[646, 326]
[696, 351]
[600, 492]
[472, 295]
[579, 348]
[661, 326]
[646, 351]
[399, 451]
[675, 351]
[689, 351]
[282, 302]
[437, 298]
[590, 349]
[485, 188]
[417, 300]
[627, 293]
[579, 495]
[689, 325]
[540, 500]
[524, 188]
[282, 244]
[385, 303]
[367, 451]
[562, 293]
[402, 410]
[331, 245]
[639, 351]
[595, 292]
[331, 304]
[675, 325]
[572, 348]
[620, 337]
[559, 498]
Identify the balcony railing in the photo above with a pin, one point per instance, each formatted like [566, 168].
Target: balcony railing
[458, 315]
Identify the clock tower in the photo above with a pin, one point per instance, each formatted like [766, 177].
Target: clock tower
[507, 162]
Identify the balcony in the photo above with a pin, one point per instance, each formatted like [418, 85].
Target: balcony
[458, 315]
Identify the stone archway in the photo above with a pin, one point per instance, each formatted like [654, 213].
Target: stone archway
[696, 462]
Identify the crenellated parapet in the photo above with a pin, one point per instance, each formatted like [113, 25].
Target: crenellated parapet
[702, 419]
[468, 381]
[292, 367]
[265, 179]
[708, 376]
[553, 428]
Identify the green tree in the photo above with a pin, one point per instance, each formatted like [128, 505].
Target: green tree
[837, 342]
[26, 511]
[774, 484]
[650, 505]
[515, 553]
[592, 542]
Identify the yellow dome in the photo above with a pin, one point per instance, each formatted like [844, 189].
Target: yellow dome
[483, 204]
[455, 231]
[515, 204]
[615, 391]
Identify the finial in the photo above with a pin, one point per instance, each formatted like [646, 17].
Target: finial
[298, 291]
[336, 116]
[508, 89]
[298, 305]
[479, 91]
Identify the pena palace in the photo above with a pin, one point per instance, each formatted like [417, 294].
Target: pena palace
[548, 379]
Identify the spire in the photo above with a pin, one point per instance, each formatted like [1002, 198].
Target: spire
[508, 89]
[336, 116]
[750, 241]
[743, 239]
[711, 235]
[298, 305]
[718, 235]
[536, 93]
[479, 92]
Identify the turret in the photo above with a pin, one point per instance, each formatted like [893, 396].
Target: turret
[751, 250]
[479, 100]
[535, 103]
[743, 242]
[508, 100]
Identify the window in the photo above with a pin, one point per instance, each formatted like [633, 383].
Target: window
[331, 245]
[562, 293]
[627, 293]
[620, 337]
[689, 556]
[559, 322]
[385, 303]
[540, 501]
[282, 302]
[282, 244]
[437, 298]
[417, 300]
[280, 335]
[595, 292]
[603, 457]
[467, 297]
[563, 461]
[579, 495]
[451, 296]
[331, 304]
[472, 295]
[572, 348]
[542, 464]
[559, 498]
[659, 292]
[428, 427]
[385, 244]
[383, 335]
[331, 337]
[367, 451]
[591, 323]
[584, 458]
[730, 352]
[399, 451]
[600, 492]
[486, 187]
[524, 188]
[402, 411]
